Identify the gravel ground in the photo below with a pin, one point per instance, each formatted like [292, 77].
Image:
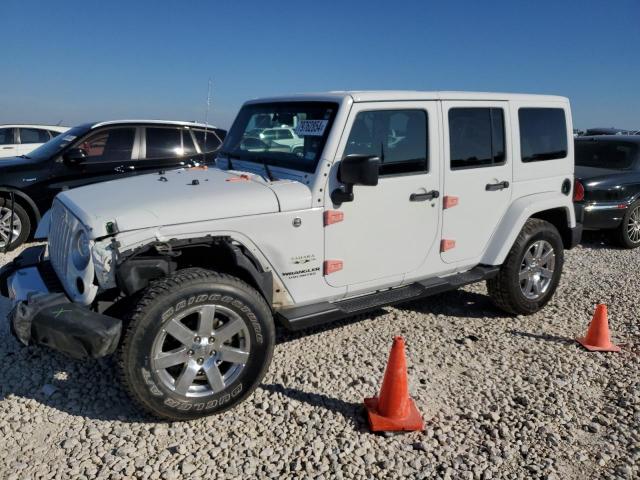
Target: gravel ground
[503, 397]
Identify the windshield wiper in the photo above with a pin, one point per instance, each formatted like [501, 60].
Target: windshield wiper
[229, 156]
[268, 170]
[23, 156]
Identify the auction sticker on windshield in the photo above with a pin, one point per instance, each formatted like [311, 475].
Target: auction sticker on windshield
[313, 128]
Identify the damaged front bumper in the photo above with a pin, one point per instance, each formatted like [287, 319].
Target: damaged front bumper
[44, 315]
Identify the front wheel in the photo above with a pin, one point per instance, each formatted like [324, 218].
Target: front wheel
[198, 342]
[531, 272]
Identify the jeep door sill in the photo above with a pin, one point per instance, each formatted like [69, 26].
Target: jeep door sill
[297, 318]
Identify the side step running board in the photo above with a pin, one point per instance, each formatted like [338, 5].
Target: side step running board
[297, 318]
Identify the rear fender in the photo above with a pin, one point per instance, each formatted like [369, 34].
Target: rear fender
[518, 213]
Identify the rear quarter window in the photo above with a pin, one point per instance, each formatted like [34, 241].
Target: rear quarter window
[543, 134]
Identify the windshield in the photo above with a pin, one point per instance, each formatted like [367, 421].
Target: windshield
[611, 155]
[56, 144]
[285, 134]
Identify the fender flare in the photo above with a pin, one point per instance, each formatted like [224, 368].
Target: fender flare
[514, 219]
[134, 273]
[18, 193]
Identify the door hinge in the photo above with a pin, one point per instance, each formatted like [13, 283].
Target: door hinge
[332, 266]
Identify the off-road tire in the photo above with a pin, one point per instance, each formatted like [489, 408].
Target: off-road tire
[25, 223]
[504, 289]
[157, 306]
[621, 234]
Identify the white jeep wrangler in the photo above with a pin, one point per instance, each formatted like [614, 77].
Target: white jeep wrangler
[394, 196]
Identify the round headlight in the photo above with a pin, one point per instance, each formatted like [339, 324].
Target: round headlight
[81, 253]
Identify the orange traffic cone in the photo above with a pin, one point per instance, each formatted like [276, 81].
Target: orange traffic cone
[394, 410]
[597, 338]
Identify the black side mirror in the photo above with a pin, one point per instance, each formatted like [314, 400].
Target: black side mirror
[355, 170]
[74, 156]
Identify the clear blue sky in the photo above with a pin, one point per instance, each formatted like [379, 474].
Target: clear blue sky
[85, 60]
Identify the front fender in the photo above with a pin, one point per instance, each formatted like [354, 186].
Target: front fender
[518, 213]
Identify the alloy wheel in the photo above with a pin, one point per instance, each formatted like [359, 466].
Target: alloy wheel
[201, 351]
[6, 234]
[633, 225]
[536, 269]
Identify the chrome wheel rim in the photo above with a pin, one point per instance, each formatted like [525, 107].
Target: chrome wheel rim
[633, 225]
[536, 269]
[6, 234]
[201, 351]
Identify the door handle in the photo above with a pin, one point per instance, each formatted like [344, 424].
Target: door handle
[422, 197]
[492, 187]
[7, 148]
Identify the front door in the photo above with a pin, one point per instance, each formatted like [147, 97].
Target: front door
[110, 154]
[478, 176]
[388, 229]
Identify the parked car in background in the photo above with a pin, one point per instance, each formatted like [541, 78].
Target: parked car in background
[607, 193]
[18, 140]
[90, 153]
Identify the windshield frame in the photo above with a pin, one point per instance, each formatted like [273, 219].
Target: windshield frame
[239, 129]
[57, 144]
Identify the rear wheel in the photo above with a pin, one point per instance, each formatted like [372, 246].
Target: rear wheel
[531, 272]
[628, 233]
[14, 231]
[198, 343]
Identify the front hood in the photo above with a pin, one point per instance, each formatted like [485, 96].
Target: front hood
[11, 164]
[179, 196]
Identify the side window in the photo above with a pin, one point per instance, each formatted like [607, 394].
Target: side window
[269, 134]
[188, 147]
[398, 137]
[543, 134]
[6, 136]
[476, 137]
[213, 140]
[284, 135]
[33, 135]
[53, 133]
[112, 145]
[164, 143]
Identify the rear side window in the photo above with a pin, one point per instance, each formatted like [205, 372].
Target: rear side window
[607, 154]
[284, 135]
[163, 143]
[112, 145]
[543, 134]
[6, 136]
[53, 133]
[213, 140]
[398, 137]
[33, 135]
[476, 137]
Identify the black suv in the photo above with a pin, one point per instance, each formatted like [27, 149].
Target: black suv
[90, 153]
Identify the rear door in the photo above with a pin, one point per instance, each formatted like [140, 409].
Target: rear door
[478, 176]
[166, 147]
[8, 142]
